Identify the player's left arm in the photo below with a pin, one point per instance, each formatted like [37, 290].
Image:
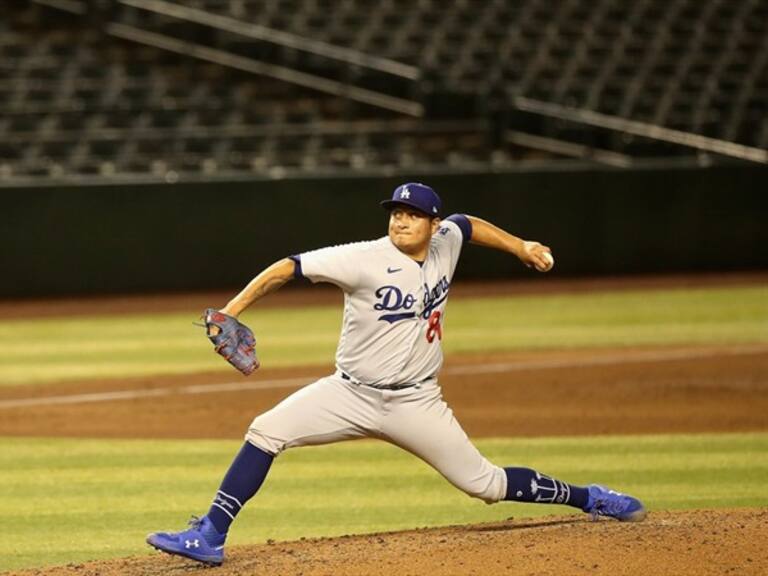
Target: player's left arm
[529, 252]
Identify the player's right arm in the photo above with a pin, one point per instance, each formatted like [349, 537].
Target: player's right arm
[267, 281]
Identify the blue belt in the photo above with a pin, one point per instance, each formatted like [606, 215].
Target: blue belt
[385, 386]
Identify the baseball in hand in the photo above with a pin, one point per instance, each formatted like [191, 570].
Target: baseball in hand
[547, 256]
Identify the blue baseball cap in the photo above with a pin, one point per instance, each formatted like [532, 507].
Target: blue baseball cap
[415, 195]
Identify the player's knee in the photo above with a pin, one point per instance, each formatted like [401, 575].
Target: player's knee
[489, 487]
[263, 441]
[490, 495]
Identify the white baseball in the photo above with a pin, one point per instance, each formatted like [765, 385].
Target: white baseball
[550, 262]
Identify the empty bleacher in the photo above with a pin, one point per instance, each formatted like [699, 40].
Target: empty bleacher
[77, 102]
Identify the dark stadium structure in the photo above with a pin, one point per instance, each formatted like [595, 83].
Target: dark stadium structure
[159, 91]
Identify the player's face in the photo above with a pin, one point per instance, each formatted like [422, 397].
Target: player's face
[411, 230]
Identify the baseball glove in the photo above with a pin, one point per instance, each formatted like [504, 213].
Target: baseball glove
[234, 340]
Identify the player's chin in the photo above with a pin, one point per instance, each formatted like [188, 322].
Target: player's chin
[407, 246]
[401, 241]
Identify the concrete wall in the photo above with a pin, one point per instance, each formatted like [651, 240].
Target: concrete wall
[120, 239]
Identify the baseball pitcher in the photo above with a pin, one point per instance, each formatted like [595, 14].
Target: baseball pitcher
[387, 363]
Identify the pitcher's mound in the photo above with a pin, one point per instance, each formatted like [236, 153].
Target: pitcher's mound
[699, 543]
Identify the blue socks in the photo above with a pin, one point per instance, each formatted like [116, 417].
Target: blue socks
[526, 485]
[244, 478]
[251, 466]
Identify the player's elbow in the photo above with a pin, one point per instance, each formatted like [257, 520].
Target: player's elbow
[290, 268]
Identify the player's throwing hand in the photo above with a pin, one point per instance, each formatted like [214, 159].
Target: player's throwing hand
[536, 255]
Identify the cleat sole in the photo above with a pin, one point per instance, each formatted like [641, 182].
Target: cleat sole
[636, 516]
[180, 555]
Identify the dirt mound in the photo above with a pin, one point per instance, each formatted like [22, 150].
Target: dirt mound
[700, 543]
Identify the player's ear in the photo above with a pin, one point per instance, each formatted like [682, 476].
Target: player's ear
[435, 225]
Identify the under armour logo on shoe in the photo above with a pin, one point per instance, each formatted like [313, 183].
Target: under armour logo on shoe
[192, 543]
[405, 193]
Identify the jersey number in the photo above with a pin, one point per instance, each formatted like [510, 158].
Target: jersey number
[434, 327]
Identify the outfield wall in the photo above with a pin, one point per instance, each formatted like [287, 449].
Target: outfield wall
[157, 237]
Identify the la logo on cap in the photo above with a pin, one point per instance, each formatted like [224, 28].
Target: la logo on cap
[416, 195]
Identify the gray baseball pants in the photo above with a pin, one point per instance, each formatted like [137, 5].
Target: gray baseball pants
[416, 419]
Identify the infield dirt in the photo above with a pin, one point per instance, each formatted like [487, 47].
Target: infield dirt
[700, 543]
[542, 393]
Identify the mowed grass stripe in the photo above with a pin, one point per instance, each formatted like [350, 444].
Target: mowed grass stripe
[45, 350]
[91, 499]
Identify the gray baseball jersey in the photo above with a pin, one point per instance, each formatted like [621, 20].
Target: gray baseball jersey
[387, 361]
[393, 307]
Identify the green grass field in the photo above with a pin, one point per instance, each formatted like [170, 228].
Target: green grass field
[75, 500]
[104, 346]
[68, 500]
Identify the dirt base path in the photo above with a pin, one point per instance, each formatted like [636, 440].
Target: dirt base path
[542, 393]
[696, 543]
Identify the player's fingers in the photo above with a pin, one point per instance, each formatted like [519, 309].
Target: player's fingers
[544, 262]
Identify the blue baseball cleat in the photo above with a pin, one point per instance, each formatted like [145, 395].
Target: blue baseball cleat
[605, 502]
[201, 542]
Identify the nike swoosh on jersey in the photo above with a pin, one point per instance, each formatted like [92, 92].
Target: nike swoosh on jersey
[393, 270]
